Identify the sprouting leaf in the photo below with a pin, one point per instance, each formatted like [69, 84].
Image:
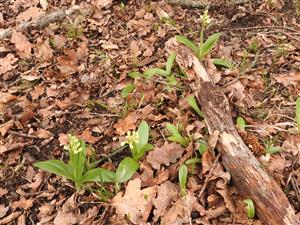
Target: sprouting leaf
[98, 175]
[298, 113]
[192, 102]
[193, 161]
[270, 148]
[127, 90]
[134, 74]
[188, 43]
[154, 71]
[170, 62]
[143, 132]
[126, 169]
[202, 146]
[250, 208]
[209, 44]
[182, 175]
[175, 135]
[273, 149]
[240, 122]
[223, 63]
[56, 166]
[139, 153]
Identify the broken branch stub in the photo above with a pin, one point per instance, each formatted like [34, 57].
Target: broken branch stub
[248, 174]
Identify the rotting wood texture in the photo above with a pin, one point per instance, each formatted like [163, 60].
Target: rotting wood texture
[252, 180]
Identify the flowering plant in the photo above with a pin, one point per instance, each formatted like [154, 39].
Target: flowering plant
[76, 168]
[138, 141]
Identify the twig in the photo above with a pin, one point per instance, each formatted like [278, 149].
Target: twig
[201, 5]
[118, 150]
[23, 135]
[264, 27]
[209, 175]
[40, 22]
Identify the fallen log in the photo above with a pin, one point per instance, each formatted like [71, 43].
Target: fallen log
[248, 174]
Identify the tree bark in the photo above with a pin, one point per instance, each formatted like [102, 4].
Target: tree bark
[250, 177]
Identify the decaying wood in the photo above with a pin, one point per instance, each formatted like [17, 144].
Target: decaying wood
[248, 174]
[40, 22]
[188, 3]
[201, 4]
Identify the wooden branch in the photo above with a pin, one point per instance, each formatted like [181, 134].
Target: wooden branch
[203, 4]
[188, 3]
[248, 174]
[40, 22]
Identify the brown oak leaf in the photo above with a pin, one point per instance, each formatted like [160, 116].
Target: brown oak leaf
[136, 203]
[167, 193]
[166, 154]
[22, 44]
[6, 63]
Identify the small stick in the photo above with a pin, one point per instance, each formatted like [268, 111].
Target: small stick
[209, 175]
[23, 135]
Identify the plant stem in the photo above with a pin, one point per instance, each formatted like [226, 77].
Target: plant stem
[201, 43]
[113, 153]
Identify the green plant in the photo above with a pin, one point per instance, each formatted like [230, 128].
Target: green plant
[166, 73]
[80, 171]
[76, 168]
[270, 148]
[298, 113]
[202, 146]
[250, 208]
[203, 48]
[138, 141]
[224, 63]
[125, 170]
[193, 103]
[240, 122]
[127, 90]
[193, 162]
[74, 30]
[176, 136]
[182, 176]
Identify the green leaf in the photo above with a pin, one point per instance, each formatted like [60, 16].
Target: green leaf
[182, 176]
[143, 132]
[127, 90]
[77, 157]
[202, 146]
[223, 63]
[134, 74]
[209, 44]
[298, 113]
[126, 169]
[240, 122]
[170, 62]
[272, 149]
[188, 43]
[192, 102]
[250, 208]
[99, 175]
[175, 135]
[139, 153]
[57, 167]
[154, 71]
[193, 161]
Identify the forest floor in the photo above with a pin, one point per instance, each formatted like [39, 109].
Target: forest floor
[71, 77]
